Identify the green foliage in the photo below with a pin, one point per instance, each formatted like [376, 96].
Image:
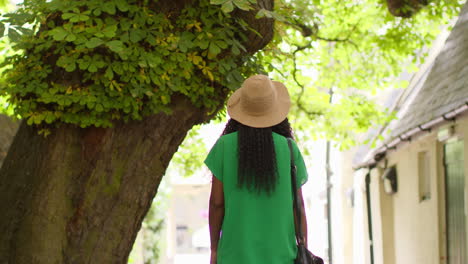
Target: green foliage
[187, 160]
[4, 5]
[357, 49]
[5, 107]
[228, 5]
[89, 62]
[153, 225]
[151, 233]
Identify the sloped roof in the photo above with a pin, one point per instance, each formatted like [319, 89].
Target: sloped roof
[446, 87]
[443, 95]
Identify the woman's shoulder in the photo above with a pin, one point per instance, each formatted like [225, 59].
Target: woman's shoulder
[232, 137]
[229, 138]
[279, 137]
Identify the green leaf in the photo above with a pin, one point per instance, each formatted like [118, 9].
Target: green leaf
[99, 108]
[235, 50]
[25, 31]
[75, 17]
[108, 7]
[58, 33]
[214, 49]
[242, 4]
[79, 18]
[67, 16]
[97, 11]
[151, 40]
[2, 29]
[261, 13]
[203, 44]
[70, 37]
[116, 46]
[83, 63]
[109, 31]
[70, 67]
[30, 120]
[227, 7]
[90, 104]
[185, 41]
[222, 44]
[38, 119]
[93, 43]
[125, 24]
[117, 68]
[92, 67]
[99, 63]
[153, 60]
[136, 35]
[63, 61]
[50, 118]
[19, 18]
[109, 74]
[218, 2]
[122, 5]
[14, 35]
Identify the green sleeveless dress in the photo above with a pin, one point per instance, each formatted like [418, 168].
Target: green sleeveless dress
[257, 228]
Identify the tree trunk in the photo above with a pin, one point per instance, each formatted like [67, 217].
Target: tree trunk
[7, 131]
[80, 195]
[405, 8]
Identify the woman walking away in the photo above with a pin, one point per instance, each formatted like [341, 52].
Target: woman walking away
[251, 204]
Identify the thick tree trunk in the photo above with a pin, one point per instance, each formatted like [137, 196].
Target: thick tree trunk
[7, 131]
[405, 8]
[80, 195]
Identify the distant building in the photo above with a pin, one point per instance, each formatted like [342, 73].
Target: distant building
[186, 224]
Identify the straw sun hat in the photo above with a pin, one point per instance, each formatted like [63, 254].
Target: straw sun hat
[259, 102]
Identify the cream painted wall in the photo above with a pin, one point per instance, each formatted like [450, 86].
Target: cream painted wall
[360, 224]
[386, 237]
[415, 221]
[377, 219]
[342, 201]
[407, 230]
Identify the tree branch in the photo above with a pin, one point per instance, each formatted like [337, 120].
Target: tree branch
[299, 104]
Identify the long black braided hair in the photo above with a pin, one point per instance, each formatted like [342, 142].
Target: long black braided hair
[257, 170]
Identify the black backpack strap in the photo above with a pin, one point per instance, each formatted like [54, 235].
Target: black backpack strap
[296, 202]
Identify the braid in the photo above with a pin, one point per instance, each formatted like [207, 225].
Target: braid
[231, 126]
[257, 168]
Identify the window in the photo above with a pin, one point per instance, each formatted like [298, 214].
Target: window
[424, 175]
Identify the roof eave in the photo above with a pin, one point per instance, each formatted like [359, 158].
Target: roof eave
[380, 152]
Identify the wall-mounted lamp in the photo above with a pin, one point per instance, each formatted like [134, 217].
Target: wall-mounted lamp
[390, 181]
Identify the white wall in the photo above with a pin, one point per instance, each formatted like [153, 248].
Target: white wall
[406, 230]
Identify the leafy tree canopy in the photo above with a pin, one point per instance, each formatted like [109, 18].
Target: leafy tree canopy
[356, 49]
[90, 62]
[94, 62]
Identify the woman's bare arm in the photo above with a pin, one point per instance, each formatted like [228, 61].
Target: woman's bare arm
[216, 212]
[303, 216]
